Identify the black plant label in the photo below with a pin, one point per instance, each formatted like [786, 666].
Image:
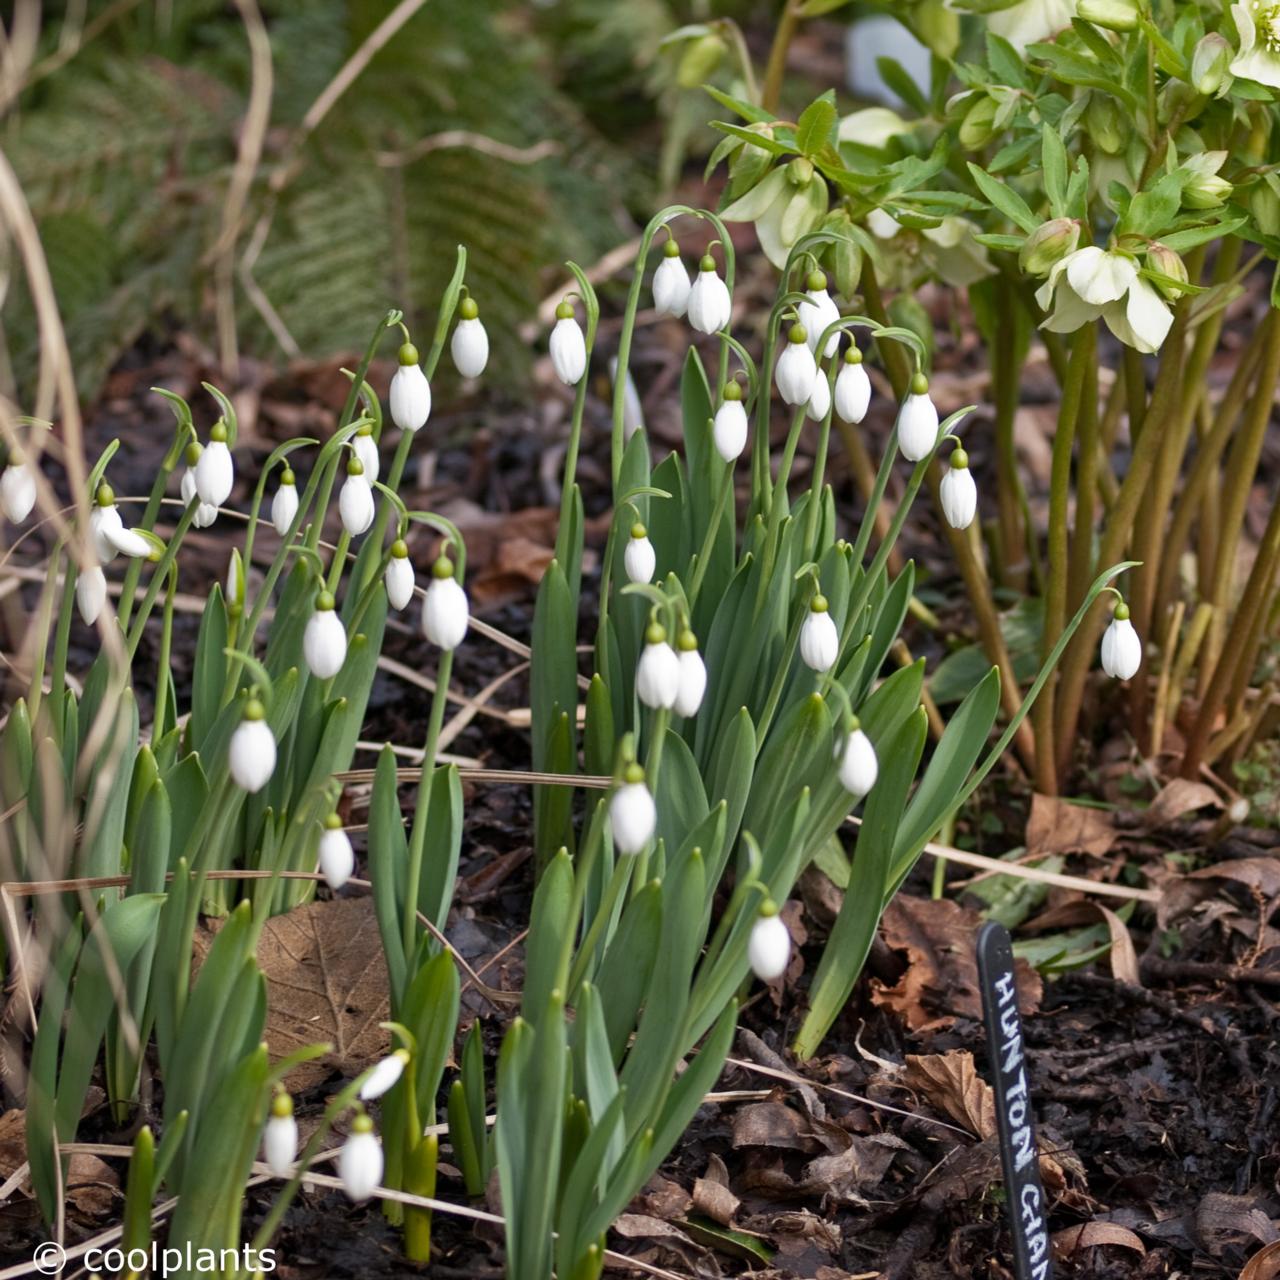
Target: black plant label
[1014, 1123]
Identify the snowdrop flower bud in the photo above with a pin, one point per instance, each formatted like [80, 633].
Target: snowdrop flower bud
[235, 580]
[796, 370]
[819, 639]
[693, 675]
[280, 1140]
[410, 392]
[215, 472]
[360, 1160]
[252, 753]
[91, 593]
[729, 429]
[284, 506]
[365, 447]
[658, 676]
[859, 767]
[399, 576]
[1121, 647]
[324, 642]
[336, 857]
[470, 345]
[819, 312]
[205, 514]
[632, 815]
[819, 399]
[104, 521]
[568, 346]
[710, 305]
[355, 502]
[671, 283]
[17, 489]
[445, 611]
[853, 388]
[640, 560]
[958, 493]
[769, 947]
[917, 421]
[384, 1075]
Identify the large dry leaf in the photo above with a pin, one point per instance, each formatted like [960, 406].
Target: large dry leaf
[1057, 826]
[1182, 795]
[1262, 874]
[712, 1196]
[952, 1084]
[1124, 957]
[1264, 1265]
[1089, 1235]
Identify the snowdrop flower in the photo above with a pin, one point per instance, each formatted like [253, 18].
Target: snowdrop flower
[819, 399]
[280, 1139]
[131, 543]
[859, 767]
[729, 428]
[355, 502]
[1258, 24]
[957, 492]
[1031, 21]
[693, 675]
[365, 447]
[917, 421]
[1094, 283]
[360, 1160]
[710, 305]
[410, 392]
[796, 369]
[853, 388]
[819, 639]
[769, 947]
[470, 345]
[568, 346]
[384, 1075]
[17, 489]
[284, 506]
[399, 576]
[206, 513]
[91, 593]
[1121, 646]
[639, 559]
[632, 814]
[252, 753]
[671, 283]
[104, 523]
[324, 642]
[818, 312]
[445, 611]
[215, 472]
[658, 675]
[336, 857]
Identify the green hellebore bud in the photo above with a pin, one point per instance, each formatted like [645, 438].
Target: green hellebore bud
[1206, 192]
[800, 172]
[1114, 15]
[1264, 205]
[1106, 124]
[1168, 263]
[700, 58]
[1047, 244]
[1209, 64]
[979, 124]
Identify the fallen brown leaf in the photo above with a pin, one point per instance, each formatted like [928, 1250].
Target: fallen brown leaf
[771, 1124]
[1058, 826]
[1089, 1235]
[1182, 795]
[950, 1081]
[711, 1194]
[1264, 1265]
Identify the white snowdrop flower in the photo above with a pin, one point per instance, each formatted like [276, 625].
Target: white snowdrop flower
[410, 392]
[958, 492]
[632, 814]
[284, 506]
[819, 639]
[91, 593]
[251, 756]
[658, 675]
[470, 345]
[818, 312]
[215, 472]
[795, 369]
[446, 612]
[710, 305]
[917, 421]
[324, 642]
[819, 399]
[859, 767]
[853, 388]
[360, 1160]
[104, 521]
[729, 427]
[280, 1138]
[17, 490]
[206, 513]
[384, 1075]
[399, 576]
[769, 947]
[235, 579]
[671, 283]
[693, 675]
[129, 542]
[335, 855]
[639, 559]
[355, 502]
[1121, 646]
[568, 346]
[365, 447]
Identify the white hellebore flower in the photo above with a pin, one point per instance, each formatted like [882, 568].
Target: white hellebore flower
[632, 814]
[853, 388]
[796, 370]
[355, 502]
[639, 559]
[324, 642]
[568, 346]
[251, 756]
[693, 675]
[1031, 21]
[445, 611]
[957, 492]
[729, 428]
[917, 421]
[858, 767]
[215, 472]
[91, 593]
[384, 1075]
[819, 399]
[710, 305]
[399, 576]
[671, 283]
[335, 855]
[410, 392]
[1259, 58]
[658, 675]
[284, 506]
[769, 947]
[280, 1139]
[17, 490]
[819, 639]
[470, 345]
[360, 1160]
[365, 447]
[818, 312]
[1092, 283]
[1121, 646]
[206, 513]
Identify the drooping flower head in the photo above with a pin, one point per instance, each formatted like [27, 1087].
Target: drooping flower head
[446, 613]
[251, 755]
[858, 768]
[568, 346]
[658, 675]
[205, 514]
[671, 283]
[215, 472]
[365, 447]
[1121, 646]
[470, 345]
[710, 305]
[693, 675]
[819, 639]
[819, 311]
[796, 369]
[917, 421]
[632, 814]
[17, 489]
[284, 506]
[360, 1160]
[853, 388]
[769, 946]
[399, 576]
[355, 502]
[324, 641]
[280, 1138]
[640, 560]
[729, 427]
[335, 855]
[410, 392]
[957, 491]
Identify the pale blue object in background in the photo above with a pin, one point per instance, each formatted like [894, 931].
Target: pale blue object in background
[881, 37]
